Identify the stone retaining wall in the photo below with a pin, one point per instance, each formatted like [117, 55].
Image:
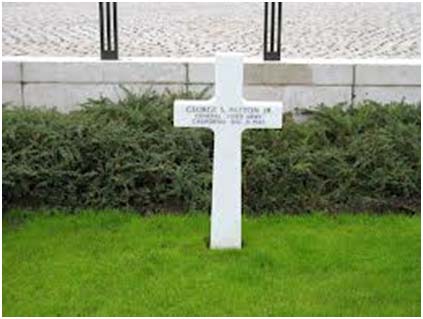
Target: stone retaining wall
[65, 82]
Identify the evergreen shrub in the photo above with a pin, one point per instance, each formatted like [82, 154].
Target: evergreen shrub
[128, 155]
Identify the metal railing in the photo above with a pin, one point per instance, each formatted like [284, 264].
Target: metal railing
[108, 31]
[109, 47]
[272, 30]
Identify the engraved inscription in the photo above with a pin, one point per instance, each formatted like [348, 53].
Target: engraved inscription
[209, 115]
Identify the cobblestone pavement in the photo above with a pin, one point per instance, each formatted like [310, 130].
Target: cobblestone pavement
[310, 30]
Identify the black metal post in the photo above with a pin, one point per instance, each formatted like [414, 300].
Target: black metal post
[108, 30]
[272, 38]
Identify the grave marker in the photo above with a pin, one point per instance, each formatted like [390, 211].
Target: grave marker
[227, 114]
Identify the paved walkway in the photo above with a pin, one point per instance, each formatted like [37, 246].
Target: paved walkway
[319, 30]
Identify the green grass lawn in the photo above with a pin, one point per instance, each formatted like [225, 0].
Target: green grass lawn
[116, 264]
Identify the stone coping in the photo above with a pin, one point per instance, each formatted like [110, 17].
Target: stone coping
[201, 71]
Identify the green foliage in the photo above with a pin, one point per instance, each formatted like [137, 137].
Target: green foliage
[365, 158]
[128, 155]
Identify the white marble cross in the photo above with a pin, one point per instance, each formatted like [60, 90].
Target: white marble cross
[227, 114]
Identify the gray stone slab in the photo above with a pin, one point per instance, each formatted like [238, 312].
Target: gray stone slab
[11, 71]
[388, 74]
[151, 72]
[298, 74]
[61, 71]
[410, 94]
[67, 97]
[11, 94]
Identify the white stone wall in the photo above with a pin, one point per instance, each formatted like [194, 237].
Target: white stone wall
[66, 82]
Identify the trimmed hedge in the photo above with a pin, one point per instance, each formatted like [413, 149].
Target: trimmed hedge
[129, 155]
